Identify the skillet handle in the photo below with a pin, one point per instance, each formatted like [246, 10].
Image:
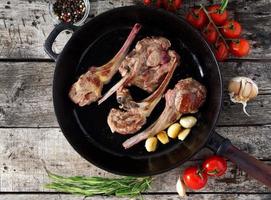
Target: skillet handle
[255, 168]
[53, 35]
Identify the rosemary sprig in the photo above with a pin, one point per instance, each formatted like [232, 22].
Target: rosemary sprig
[89, 186]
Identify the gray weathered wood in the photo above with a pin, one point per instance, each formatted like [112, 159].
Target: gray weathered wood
[24, 25]
[26, 99]
[258, 71]
[146, 197]
[21, 168]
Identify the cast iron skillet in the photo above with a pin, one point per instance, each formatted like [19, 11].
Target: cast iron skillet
[86, 128]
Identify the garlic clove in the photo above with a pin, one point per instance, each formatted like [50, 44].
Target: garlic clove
[254, 91]
[241, 90]
[151, 144]
[234, 87]
[246, 90]
[173, 130]
[181, 188]
[188, 121]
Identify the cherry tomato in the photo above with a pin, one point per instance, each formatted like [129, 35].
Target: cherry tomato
[215, 166]
[217, 17]
[210, 34]
[231, 29]
[197, 18]
[160, 3]
[194, 178]
[172, 5]
[147, 2]
[221, 52]
[177, 4]
[239, 48]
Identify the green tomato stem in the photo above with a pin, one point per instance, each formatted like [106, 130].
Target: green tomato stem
[224, 4]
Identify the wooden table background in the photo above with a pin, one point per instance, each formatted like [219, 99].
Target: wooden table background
[29, 131]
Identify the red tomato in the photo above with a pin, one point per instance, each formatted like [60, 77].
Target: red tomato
[218, 18]
[239, 48]
[147, 2]
[172, 5]
[215, 166]
[197, 18]
[159, 3]
[221, 52]
[231, 29]
[177, 4]
[210, 34]
[194, 178]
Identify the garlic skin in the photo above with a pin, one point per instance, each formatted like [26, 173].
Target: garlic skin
[241, 90]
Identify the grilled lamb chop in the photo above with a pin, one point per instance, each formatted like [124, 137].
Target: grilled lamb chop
[187, 96]
[89, 86]
[134, 117]
[144, 66]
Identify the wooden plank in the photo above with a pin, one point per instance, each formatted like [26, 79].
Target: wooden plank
[253, 140]
[26, 99]
[21, 168]
[26, 88]
[259, 109]
[24, 25]
[258, 71]
[146, 197]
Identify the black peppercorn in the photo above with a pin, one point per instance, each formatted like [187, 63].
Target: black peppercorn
[70, 11]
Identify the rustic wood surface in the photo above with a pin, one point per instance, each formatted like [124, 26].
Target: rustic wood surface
[25, 24]
[29, 131]
[191, 196]
[22, 151]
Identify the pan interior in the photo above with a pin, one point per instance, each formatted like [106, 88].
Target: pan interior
[93, 118]
[95, 44]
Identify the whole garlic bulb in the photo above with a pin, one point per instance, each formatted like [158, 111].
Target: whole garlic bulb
[241, 90]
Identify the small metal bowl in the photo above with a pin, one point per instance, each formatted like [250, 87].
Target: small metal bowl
[78, 23]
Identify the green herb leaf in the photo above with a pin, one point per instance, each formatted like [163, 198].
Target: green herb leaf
[89, 186]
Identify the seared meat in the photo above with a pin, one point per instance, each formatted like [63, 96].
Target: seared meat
[144, 66]
[89, 86]
[125, 122]
[151, 72]
[134, 117]
[187, 96]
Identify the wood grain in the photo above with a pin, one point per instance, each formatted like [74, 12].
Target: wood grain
[21, 168]
[146, 197]
[24, 25]
[26, 95]
[26, 105]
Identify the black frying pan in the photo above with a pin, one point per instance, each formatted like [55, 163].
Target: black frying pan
[86, 128]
